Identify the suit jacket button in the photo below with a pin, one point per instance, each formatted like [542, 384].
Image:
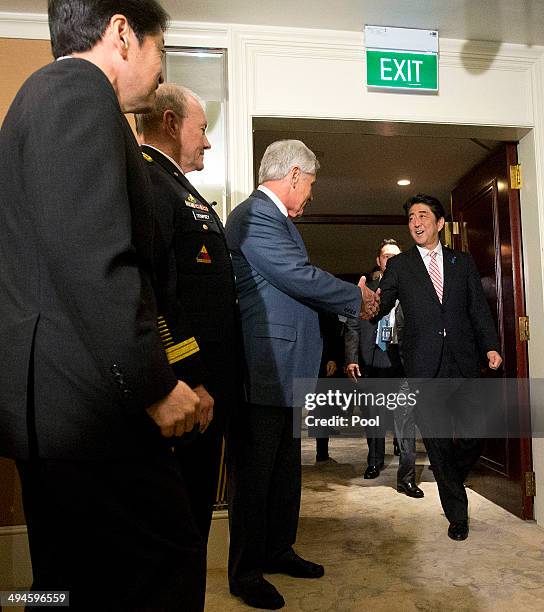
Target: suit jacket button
[115, 369]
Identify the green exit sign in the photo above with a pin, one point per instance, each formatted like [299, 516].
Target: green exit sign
[401, 70]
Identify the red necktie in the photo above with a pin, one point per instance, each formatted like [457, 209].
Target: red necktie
[436, 277]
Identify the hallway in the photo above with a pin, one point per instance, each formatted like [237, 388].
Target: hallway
[385, 552]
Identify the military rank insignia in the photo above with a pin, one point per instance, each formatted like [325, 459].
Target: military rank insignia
[147, 157]
[204, 256]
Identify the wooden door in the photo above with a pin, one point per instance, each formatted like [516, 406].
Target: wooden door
[488, 212]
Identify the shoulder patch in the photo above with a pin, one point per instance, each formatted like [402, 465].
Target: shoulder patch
[203, 256]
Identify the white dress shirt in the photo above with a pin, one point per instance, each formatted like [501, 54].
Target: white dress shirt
[274, 199]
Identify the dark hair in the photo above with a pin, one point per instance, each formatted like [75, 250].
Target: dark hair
[433, 203]
[77, 25]
[385, 242]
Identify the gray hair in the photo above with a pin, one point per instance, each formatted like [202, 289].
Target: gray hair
[169, 97]
[282, 155]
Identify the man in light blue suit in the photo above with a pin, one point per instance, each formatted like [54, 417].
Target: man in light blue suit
[280, 294]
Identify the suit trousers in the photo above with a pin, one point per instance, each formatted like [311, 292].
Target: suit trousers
[199, 461]
[264, 489]
[405, 432]
[375, 436]
[118, 535]
[404, 424]
[445, 420]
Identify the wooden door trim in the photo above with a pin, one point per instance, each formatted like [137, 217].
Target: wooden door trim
[506, 216]
[518, 281]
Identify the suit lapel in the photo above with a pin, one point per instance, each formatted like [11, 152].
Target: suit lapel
[420, 271]
[181, 178]
[450, 270]
[296, 235]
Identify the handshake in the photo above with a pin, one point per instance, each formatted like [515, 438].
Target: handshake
[370, 303]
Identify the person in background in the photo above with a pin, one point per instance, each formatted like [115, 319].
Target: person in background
[332, 332]
[375, 350]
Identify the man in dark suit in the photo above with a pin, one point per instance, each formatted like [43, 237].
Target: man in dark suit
[88, 401]
[196, 292]
[332, 357]
[375, 349]
[280, 294]
[447, 328]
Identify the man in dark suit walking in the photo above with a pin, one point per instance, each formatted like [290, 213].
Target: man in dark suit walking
[280, 294]
[196, 292]
[447, 328]
[375, 350]
[88, 401]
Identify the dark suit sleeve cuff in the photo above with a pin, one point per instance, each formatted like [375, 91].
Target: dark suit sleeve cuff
[190, 370]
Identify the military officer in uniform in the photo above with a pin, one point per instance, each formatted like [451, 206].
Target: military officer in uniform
[194, 283]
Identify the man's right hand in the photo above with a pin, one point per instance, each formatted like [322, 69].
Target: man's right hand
[206, 407]
[370, 303]
[176, 413]
[353, 371]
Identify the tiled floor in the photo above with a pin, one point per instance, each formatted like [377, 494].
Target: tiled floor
[383, 551]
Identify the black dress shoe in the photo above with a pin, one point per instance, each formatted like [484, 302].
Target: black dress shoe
[373, 471]
[293, 565]
[320, 458]
[458, 530]
[410, 489]
[259, 594]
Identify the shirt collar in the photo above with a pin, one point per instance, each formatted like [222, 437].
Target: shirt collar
[167, 157]
[274, 199]
[426, 253]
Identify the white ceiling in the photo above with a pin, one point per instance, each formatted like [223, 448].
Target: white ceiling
[518, 21]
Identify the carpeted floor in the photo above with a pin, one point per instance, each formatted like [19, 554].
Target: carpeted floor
[383, 551]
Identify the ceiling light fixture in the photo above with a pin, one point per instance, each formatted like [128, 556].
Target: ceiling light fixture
[403, 182]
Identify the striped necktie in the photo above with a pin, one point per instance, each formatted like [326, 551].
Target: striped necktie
[434, 273]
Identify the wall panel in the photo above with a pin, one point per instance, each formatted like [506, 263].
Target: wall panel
[19, 58]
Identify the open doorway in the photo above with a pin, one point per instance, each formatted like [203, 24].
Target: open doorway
[357, 202]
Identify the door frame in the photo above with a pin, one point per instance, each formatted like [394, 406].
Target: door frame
[532, 450]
